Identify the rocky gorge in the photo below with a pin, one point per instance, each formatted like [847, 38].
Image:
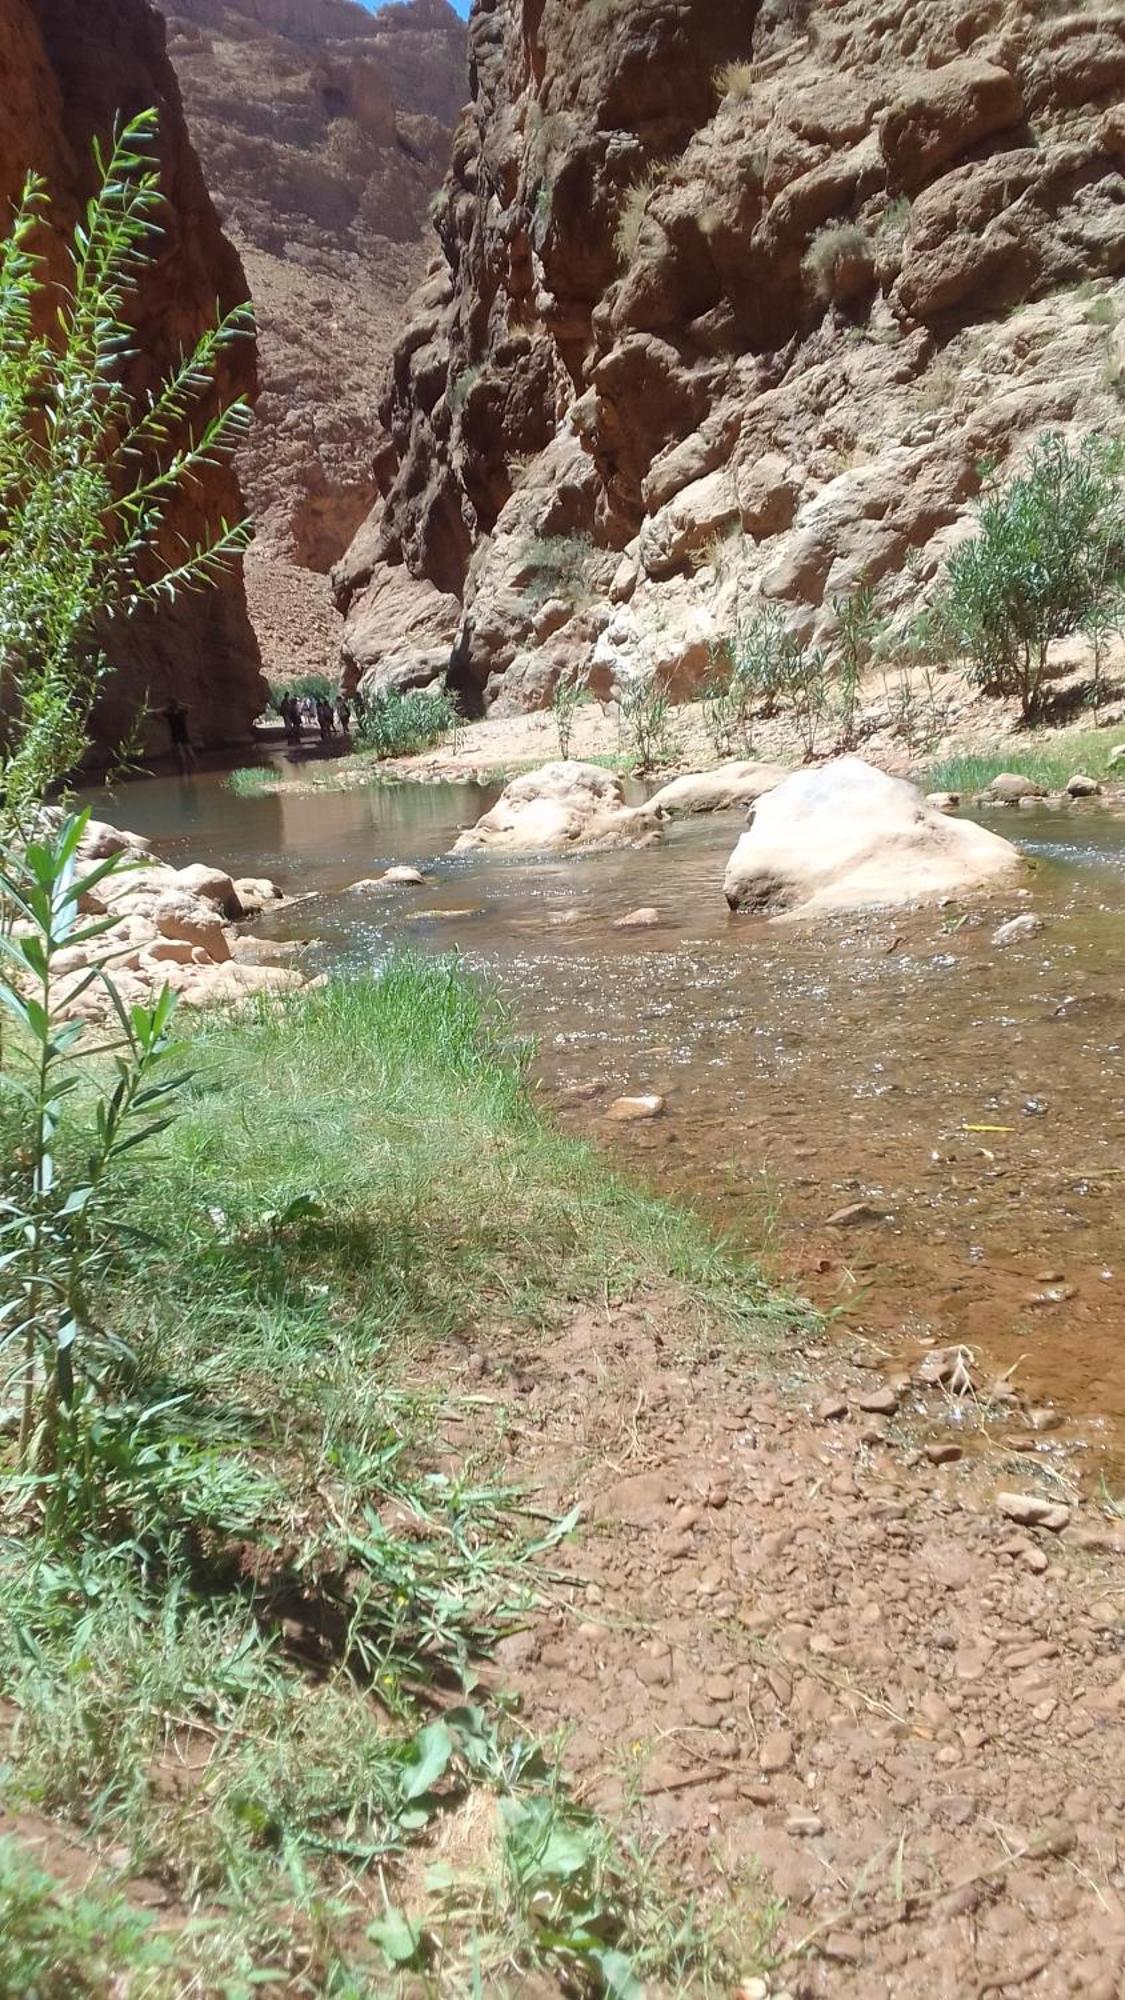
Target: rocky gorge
[323, 130]
[730, 306]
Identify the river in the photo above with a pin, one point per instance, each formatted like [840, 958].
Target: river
[971, 1094]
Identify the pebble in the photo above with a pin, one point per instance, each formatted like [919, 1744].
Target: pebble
[881, 1402]
[632, 1110]
[1030, 1510]
[831, 1409]
[637, 920]
[776, 1751]
[944, 1453]
[1016, 928]
[804, 1825]
[404, 878]
[855, 1215]
[843, 1948]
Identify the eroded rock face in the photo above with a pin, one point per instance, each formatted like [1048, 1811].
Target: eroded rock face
[323, 130]
[844, 836]
[68, 70]
[686, 348]
[563, 805]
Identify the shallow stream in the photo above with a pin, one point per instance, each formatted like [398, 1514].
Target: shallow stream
[971, 1094]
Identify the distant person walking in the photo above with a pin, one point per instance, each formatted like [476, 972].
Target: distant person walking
[324, 718]
[176, 716]
[359, 703]
[343, 715]
[291, 717]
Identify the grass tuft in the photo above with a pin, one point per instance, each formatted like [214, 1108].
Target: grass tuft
[1050, 761]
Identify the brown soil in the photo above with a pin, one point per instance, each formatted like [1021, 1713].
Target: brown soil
[851, 1697]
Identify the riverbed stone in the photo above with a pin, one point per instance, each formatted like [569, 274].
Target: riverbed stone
[212, 885]
[738, 783]
[1082, 786]
[638, 920]
[846, 836]
[180, 915]
[634, 1110]
[561, 806]
[1016, 929]
[1010, 788]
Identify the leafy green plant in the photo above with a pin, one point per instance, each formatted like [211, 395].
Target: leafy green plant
[759, 652]
[1048, 555]
[252, 781]
[59, 1215]
[88, 468]
[858, 626]
[571, 693]
[726, 714]
[645, 724]
[399, 725]
[807, 692]
[59, 1945]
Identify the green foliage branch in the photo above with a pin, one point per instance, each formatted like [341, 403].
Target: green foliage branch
[89, 470]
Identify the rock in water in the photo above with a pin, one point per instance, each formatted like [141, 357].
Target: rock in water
[1017, 928]
[562, 806]
[1011, 788]
[845, 836]
[736, 784]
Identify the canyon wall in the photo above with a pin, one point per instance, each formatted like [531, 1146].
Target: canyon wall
[68, 70]
[728, 304]
[323, 131]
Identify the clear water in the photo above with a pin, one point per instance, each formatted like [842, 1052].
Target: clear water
[976, 1094]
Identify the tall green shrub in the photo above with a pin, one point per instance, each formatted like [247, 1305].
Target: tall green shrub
[89, 469]
[1048, 554]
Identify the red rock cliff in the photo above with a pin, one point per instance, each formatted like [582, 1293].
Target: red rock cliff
[68, 69]
[728, 304]
[323, 130]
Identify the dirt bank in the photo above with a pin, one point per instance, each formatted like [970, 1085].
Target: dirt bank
[874, 1717]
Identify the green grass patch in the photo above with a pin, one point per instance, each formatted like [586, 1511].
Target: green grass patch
[238, 1629]
[1049, 760]
[252, 781]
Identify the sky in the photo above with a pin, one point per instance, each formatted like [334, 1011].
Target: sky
[459, 6]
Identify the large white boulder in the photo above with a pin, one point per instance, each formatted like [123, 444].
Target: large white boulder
[561, 806]
[845, 836]
[735, 784]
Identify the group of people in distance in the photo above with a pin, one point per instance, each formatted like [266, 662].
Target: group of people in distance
[299, 712]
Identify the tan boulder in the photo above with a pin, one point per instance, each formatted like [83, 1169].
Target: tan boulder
[256, 893]
[1011, 787]
[560, 806]
[212, 885]
[229, 985]
[178, 915]
[845, 836]
[737, 783]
